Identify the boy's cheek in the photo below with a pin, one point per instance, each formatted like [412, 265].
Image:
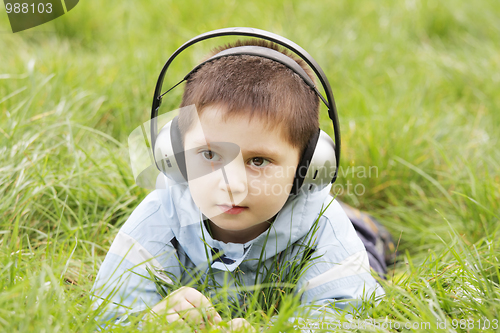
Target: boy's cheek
[259, 188]
[254, 173]
[202, 190]
[255, 187]
[274, 174]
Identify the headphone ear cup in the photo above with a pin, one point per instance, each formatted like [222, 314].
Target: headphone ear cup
[178, 146]
[303, 167]
[323, 164]
[318, 171]
[169, 152]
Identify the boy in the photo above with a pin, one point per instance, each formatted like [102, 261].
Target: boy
[239, 219]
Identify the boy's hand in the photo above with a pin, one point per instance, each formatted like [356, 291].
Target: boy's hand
[239, 325]
[188, 305]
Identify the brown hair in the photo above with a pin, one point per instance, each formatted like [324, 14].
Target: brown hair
[255, 86]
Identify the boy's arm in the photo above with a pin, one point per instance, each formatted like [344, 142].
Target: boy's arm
[339, 279]
[123, 285]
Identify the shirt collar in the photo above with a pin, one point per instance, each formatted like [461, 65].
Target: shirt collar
[284, 231]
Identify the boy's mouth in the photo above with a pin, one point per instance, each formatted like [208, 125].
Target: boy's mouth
[232, 210]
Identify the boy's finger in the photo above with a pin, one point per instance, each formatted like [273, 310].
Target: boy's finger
[197, 299]
[240, 325]
[210, 315]
[167, 303]
[200, 301]
[186, 317]
[213, 316]
[190, 314]
[176, 319]
[172, 316]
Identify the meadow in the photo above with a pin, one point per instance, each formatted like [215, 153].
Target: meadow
[417, 86]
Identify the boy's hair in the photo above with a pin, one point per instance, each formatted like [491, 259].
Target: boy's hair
[255, 86]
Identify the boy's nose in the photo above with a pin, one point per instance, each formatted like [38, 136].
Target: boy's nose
[234, 177]
[232, 183]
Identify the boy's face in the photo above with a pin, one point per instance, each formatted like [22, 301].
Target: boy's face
[240, 172]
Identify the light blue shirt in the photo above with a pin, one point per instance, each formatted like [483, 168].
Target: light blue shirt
[165, 232]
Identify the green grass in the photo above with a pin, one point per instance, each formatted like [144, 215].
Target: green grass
[417, 85]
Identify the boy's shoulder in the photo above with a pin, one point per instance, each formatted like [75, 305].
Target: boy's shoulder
[315, 219]
[153, 221]
[161, 216]
[335, 229]
[147, 210]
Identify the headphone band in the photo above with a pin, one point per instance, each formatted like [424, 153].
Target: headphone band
[260, 51]
[262, 34]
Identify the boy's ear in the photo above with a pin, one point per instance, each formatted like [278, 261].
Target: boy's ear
[317, 166]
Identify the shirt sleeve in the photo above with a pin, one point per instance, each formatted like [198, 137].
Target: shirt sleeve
[123, 285]
[338, 278]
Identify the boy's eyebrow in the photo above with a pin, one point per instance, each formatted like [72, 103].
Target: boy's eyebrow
[258, 151]
[263, 151]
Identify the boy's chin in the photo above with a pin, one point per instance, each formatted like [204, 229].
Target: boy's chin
[234, 232]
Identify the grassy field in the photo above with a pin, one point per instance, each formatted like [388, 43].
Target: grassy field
[417, 85]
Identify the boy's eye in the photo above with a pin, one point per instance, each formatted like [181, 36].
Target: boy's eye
[259, 162]
[210, 156]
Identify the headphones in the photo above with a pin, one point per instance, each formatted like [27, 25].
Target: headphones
[319, 163]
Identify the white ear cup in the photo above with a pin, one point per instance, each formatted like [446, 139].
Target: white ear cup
[322, 166]
[165, 156]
